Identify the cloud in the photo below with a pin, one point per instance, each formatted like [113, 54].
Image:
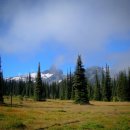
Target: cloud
[120, 61]
[82, 25]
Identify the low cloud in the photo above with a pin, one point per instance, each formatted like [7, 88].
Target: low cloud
[120, 61]
[82, 26]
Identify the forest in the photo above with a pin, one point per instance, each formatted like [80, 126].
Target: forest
[74, 87]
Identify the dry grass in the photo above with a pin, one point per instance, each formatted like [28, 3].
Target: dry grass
[64, 115]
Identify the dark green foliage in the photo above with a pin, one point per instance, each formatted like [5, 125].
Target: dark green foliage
[107, 87]
[70, 86]
[128, 87]
[29, 87]
[80, 83]
[114, 90]
[103, 84]
[75, 87]
[90, 91]
[53, 90]
[97, 90]
[47, 90]
[68, 89]
[122, 85]
[1, 85]
[62, 89]
[38, 86]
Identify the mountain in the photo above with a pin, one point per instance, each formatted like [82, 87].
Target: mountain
[51, 75]
[56, 75]
[91, 72]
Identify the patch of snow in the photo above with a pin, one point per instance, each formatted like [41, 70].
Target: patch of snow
[46, 76]
[33, 75]
[59, 81]
[16, 78]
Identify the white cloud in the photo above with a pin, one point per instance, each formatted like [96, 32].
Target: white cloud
[121, 61]
[82, 26]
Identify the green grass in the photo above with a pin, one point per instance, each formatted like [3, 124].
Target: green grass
[64, 115]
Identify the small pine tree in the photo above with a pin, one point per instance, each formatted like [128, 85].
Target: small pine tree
[29, 90]
[38, 86]
[97, 92]
[79, 83]
[1, 85]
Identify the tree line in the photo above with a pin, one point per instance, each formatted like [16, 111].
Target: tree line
[74, 87]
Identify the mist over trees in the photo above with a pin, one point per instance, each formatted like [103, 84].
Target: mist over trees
[74, 87]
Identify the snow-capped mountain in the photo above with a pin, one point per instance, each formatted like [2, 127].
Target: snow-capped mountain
[56, 75]
[51, 75]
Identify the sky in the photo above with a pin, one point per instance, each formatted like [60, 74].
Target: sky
[54, 32]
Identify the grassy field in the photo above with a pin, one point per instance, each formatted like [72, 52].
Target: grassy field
[64, 115]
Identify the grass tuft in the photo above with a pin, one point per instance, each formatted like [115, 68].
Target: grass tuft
[92, 125]
[62, 111]
[18, 125]
[2, 116]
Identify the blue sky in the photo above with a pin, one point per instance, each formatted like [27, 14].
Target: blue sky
[54, 32]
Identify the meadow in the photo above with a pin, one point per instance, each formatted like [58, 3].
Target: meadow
[64, 115]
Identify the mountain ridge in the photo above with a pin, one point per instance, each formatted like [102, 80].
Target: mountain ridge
[56, 75]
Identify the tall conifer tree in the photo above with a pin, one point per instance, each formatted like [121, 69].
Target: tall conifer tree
[30, 86]
[103, 84]
[38, 86]
[107, 88]
[70, 85]
[79, 83]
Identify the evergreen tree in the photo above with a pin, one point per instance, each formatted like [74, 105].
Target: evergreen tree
[29, 87]
[70, 86]
[1, 85]
[90, 91]
[103, 84]
[107, 87]
[79, 83]
[47, 89]
[122, 87]
[38, 86]
[62, 89]
[73, 89]
[97, 92]
[114, 90]
[53, 90]
[67, 87]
